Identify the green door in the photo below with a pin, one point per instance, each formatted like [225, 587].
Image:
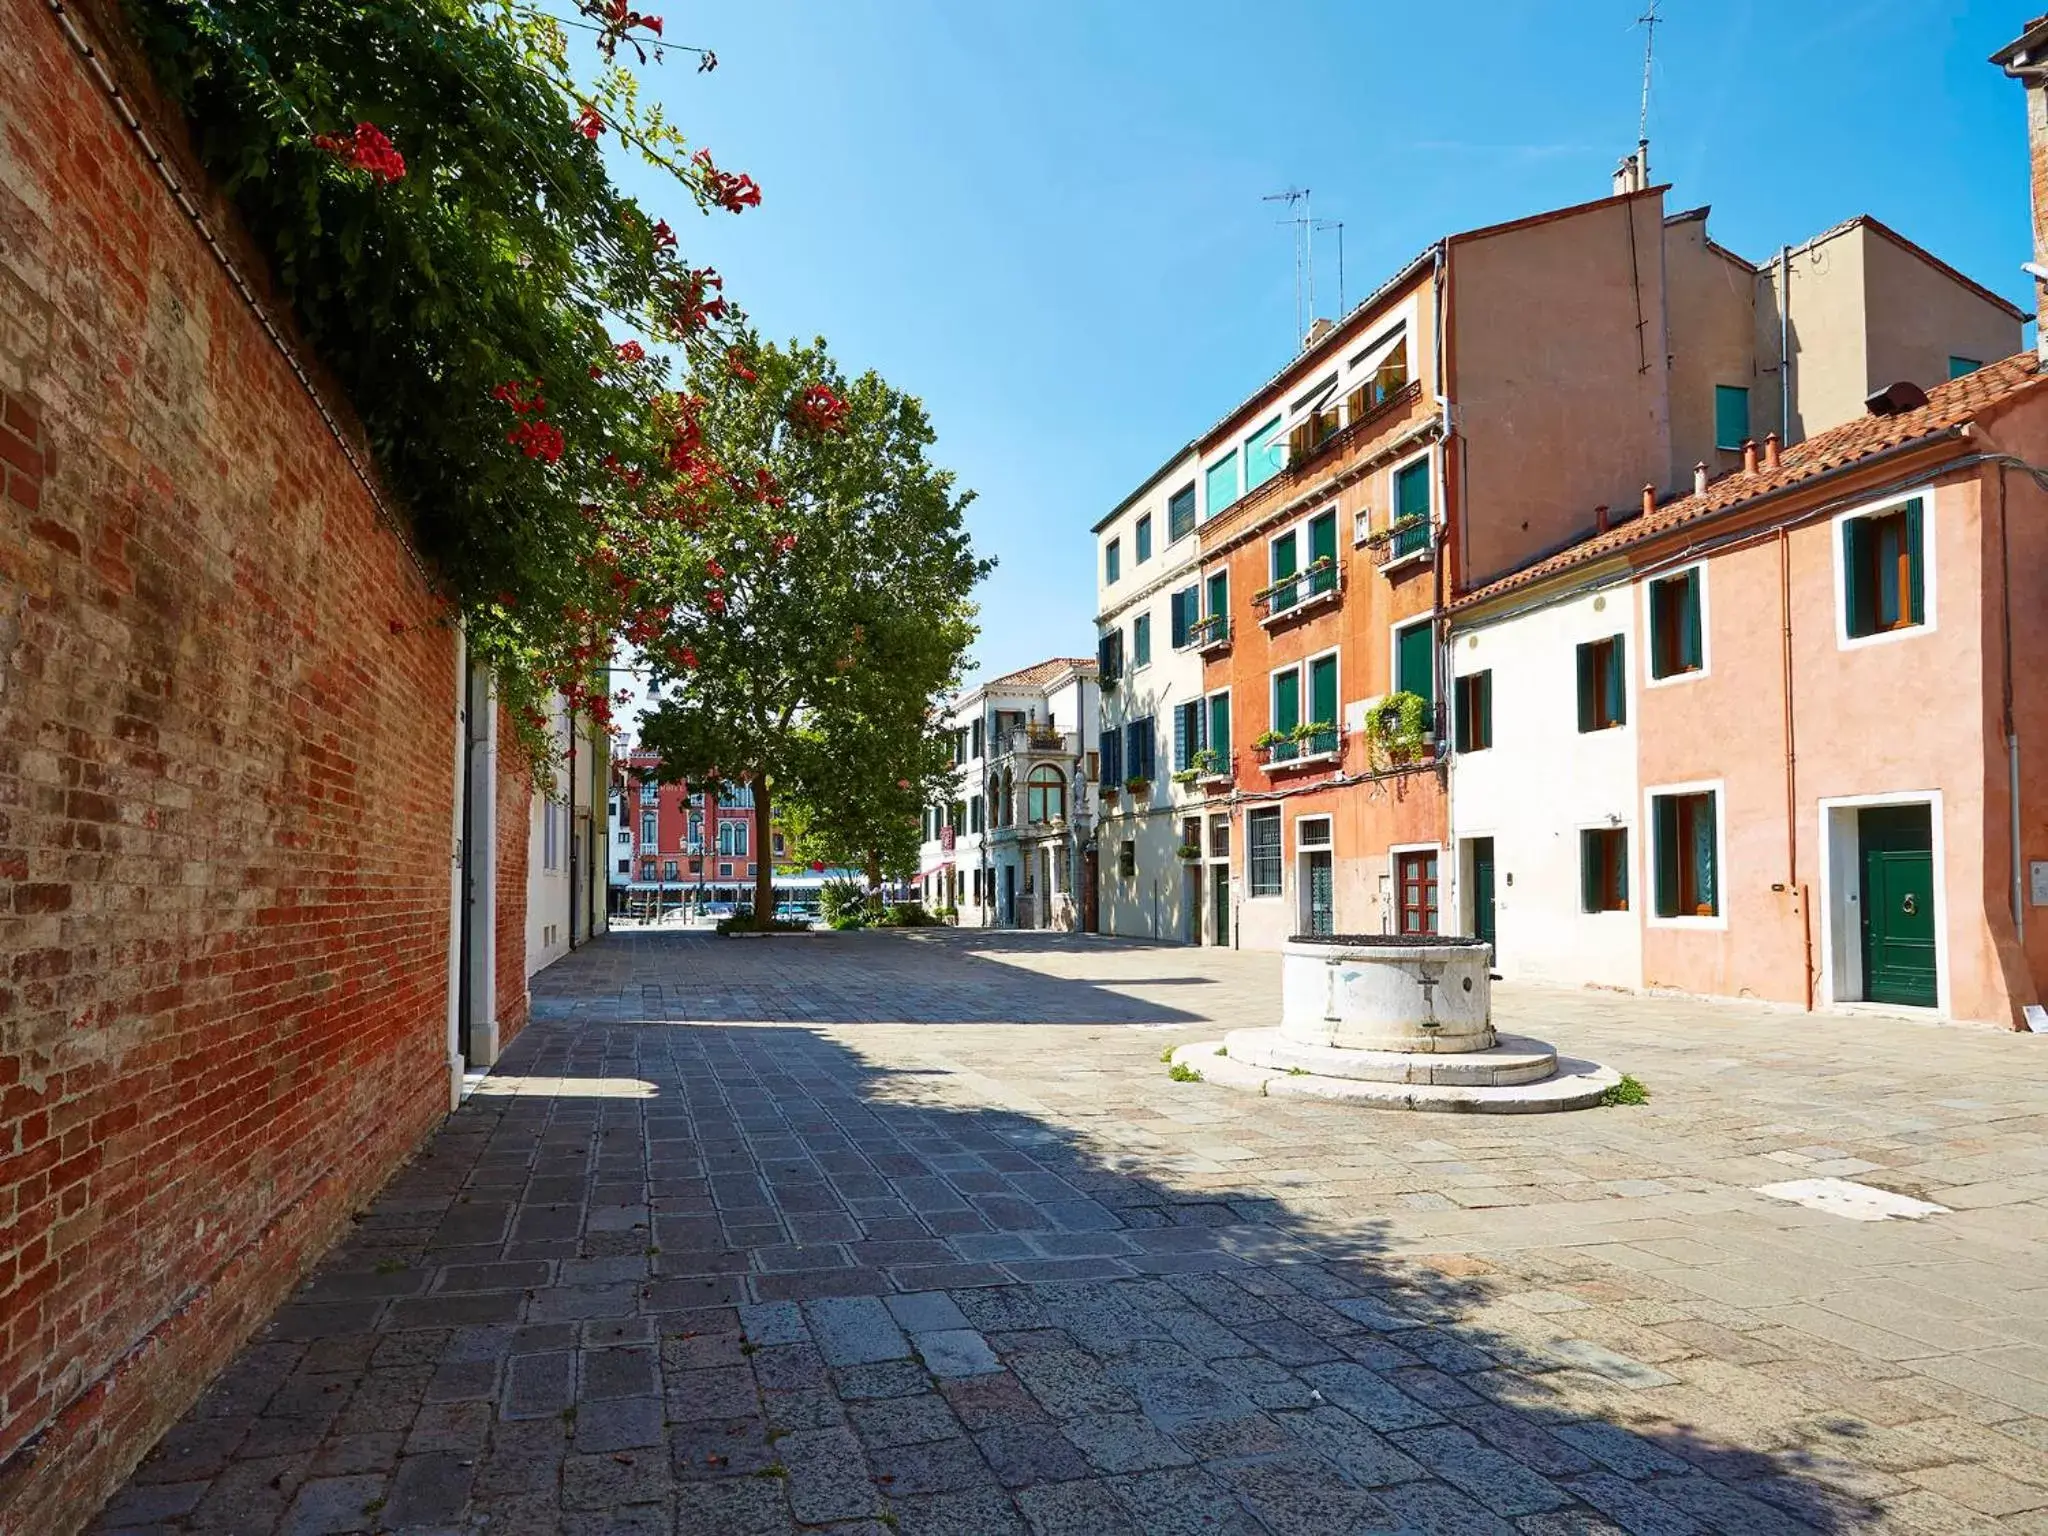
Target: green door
[1898, 904]
[1322, 894]
[1482, 889]
[1219, 897]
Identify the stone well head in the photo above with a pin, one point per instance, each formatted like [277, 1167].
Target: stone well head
[1387, 992]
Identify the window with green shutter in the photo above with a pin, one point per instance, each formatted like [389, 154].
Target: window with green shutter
[1219, 484]
[1187, 735]
[1731, 416]
[1219, 727]
[1141, 538]
[1603, 684]
[1183, 614]
[1884, 581]
[1686, 851]
[1286, 711]
[1676, 642]
[1215, 623]
[1262, 455]
[1112, 562]
[1141, 641]
[1411, 508]
[1958, 366]
[1415, 661]
[1474, 722]
[1603, 869]
[1322, 551]
[1322, 703]
[1283, 560]
[1180, 514]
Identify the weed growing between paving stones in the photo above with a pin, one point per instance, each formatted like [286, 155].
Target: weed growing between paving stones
[390, 1266]
[1167, 1054]
[1297, 1071]
[1222, 1050]
[1181, 1072]
[1628, 1091]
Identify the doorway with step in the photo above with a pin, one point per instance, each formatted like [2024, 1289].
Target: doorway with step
[1883, 909]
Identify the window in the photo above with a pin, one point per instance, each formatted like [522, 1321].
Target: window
[550, 835]
[1141, 641]
[1322, 704]
[1415, 662]
[649, 793]
[977, 887]
[1127, 857]
[1603, 869]
[1183, 612]
[779, 846]
[974, 814]
[1187, 735]
[647, 830]
[696, 838]
[1411, 509]
[956, 815]
[1415, 873]
[732, 839]
[1109, 662]
[1138, 762]
[696, 866]
[1384, 366]
[1219, 484]
[1262, 850]
[1262, 455]
[960, 745]
[1958, 366]
[1216, 622]
[1322, 552]
[1141, 540]
[1180, 514]
[1111, 746]
[1045, 795]
[647, 869]
[1474, 711]
[1112, 562]
[979, 737]
[668, 869]
[1731, 416]
[1006, 800]
[1217, 739]
[625, 866]
[1219, 838]
[1286, 713]
[1603, 684]
[1312, 832]
[1883, 571]
[725, 871]
[1676, 644]
[1283, 561]
[1687, 880]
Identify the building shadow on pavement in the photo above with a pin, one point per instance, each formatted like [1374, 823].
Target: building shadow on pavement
[729, 1280]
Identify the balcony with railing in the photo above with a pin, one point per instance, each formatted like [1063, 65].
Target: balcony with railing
[1036, 740]
[1210, 636]
[1400, 540]
[1315, 744]
[1305, 592]
[1210, 771]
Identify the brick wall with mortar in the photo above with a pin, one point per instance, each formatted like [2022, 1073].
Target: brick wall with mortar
[226, 747]
[515, 818]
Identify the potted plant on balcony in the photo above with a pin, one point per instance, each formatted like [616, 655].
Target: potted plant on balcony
[1184, 776]
[1321, 575]
[1268, 744]
[1187, 852]
[1397, 728]
[1314, 736]
[1208, 763]
[1138, 785]
[1392, 538]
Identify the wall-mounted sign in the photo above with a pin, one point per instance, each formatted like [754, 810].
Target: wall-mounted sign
[2037, 882]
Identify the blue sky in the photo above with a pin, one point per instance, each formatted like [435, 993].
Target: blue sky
[1046, 219]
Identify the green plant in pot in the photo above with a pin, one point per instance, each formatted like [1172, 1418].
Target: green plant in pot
[1137, 784]
[1188, 851]
[1398, 727]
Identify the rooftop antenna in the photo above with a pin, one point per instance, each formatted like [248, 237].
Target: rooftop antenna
[1648, 22]
[1337, 225]
[1304, 255]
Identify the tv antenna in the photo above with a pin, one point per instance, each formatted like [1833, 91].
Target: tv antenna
[1648, 22]
[1304, 227]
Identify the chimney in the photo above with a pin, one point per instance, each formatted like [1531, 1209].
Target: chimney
[1600, 519]
[1771, 450]
[1649, 499]
[2025, 59]
[1699, 479]
[1317, 330]
[1749, 456]
[1633, 174]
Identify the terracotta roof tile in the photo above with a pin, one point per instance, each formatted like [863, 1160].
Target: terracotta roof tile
[1948, 406]
[1042, 672]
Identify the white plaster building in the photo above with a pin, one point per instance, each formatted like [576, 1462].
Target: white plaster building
[568, 842]
[1152, 617]
[1011, 848]
[1544, 797]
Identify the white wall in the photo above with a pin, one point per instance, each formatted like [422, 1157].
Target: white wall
[1540, 784]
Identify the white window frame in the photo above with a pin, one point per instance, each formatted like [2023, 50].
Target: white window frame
[1114, 543]
[1202, 479]
[1249, 812]
[1834, 936]
[1642, 887]
[1199, 588]
[1365, 362]
[1278, 422]
[1649, 617]
[1723, 885]
[1139, 554]
[1925, 495]
[1133, 666]
[1394, 654]
[1311, 818]
[1432, 521]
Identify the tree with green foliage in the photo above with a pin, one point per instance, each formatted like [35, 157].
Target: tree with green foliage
[817, 613]
[861, 806]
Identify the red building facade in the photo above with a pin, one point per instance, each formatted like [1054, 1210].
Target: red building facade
[669, 835]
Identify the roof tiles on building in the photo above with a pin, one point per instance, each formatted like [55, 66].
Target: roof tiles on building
[1949, 405]
[1040, 673]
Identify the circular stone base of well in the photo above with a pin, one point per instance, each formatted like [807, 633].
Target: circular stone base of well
[1516, 1059]
[1572, 1084]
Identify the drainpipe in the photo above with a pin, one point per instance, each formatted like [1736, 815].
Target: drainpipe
[1444, 663]
[1785, 343]
[1792, 764]
[2012, 731]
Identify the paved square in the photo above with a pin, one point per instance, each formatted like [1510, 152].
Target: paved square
[912, 1232]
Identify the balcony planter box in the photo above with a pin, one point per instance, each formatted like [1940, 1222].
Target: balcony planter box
[1187, 853]
[1212, 634]
[1315, 588]
[1137, 786]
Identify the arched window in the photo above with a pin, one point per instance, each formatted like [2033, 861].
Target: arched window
[1045, 794]
[1006, 801]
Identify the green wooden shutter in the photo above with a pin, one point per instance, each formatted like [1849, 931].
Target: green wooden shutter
[1464, 704]
[1219, 485]
[1856, 596]
[1587, 684]
[1916, 567]
[1617, 682]
[1286, 701]
[1485, 710]
[1589, 872]
[1703, 838]
[1665, 808]
[1415, 656]
[1322, 538]
[1621, 867]
[1219, 594]
[1690, 636]
[1283, 557]
[1731, 416]
[1322, 690]
[1219, 728]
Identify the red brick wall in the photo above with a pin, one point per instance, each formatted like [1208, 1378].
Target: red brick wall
[515, 818]
[226, 749]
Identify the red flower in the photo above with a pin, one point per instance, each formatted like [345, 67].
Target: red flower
[631, 352]
[537, 440]
[736, 361]
[690, 658]
[691, 303]
[903, 783]
[588, 123]
[730, 192]
[715, 601]
[652, 24]
[664, 237]
[714, 570]
[784, 543]
[367, 149]
[820, 410]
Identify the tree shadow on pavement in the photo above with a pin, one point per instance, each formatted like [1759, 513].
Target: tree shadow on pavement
[744, 1279]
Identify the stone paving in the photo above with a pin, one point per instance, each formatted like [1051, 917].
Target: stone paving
[911, 1232]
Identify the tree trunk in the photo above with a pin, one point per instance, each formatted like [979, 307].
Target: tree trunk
[764, 865]
[874, 872]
